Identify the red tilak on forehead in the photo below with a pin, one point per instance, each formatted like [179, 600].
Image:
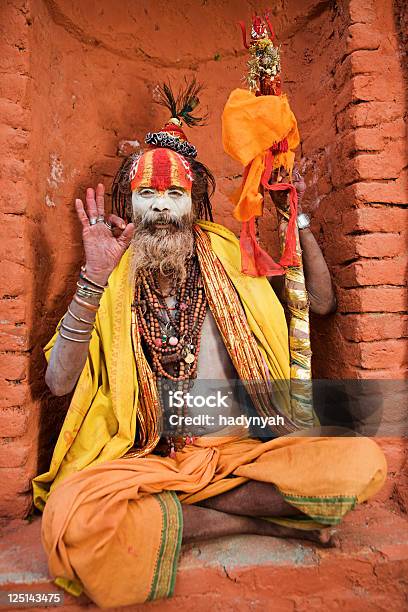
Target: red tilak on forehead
[160, 169]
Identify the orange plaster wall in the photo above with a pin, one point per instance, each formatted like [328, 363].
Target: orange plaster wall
[78, 78]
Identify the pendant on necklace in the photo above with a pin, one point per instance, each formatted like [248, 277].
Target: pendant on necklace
[173, 341]
[189, 358]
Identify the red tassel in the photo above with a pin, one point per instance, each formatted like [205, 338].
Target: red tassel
[289, 256]
[254, 260]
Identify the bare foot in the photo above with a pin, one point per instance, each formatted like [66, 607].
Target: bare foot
[326, 537]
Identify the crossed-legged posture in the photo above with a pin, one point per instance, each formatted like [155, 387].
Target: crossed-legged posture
[161, 301]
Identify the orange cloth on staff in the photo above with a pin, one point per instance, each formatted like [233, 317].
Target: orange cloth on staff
[114, 529]
[250, 126]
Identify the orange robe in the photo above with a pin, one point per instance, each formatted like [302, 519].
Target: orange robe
[114, 530]
[112, 525]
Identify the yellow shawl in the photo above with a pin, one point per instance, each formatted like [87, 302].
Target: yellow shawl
[100, 424]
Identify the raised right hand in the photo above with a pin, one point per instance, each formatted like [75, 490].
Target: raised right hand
[103, 250]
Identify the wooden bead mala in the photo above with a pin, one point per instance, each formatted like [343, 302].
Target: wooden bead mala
[172, 343]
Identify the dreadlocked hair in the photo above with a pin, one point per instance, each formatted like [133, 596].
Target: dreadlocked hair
[203, 188]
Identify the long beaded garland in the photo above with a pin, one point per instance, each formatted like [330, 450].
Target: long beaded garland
[239, 340]
[242, 348]
[173, 342]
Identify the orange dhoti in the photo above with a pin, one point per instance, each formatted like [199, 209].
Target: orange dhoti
[114, 530]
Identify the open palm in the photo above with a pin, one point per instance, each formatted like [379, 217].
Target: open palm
[103, 250]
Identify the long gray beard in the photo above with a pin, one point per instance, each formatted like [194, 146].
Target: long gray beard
[161, 250]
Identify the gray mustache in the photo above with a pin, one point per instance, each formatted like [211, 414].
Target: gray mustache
[151, 218]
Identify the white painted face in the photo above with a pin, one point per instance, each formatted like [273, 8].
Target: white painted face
[175, 201]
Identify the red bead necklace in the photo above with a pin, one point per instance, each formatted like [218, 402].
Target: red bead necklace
[171, 338]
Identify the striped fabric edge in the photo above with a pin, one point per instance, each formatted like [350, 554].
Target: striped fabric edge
[164, 578]
[327, 510]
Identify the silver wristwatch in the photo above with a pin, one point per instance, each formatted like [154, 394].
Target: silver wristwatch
[303, 221]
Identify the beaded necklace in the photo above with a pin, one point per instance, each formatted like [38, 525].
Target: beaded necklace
[171, 338]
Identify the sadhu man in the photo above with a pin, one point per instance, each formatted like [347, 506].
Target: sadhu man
[162, 300]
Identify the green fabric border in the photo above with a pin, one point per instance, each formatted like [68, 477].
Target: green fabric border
[162, 585]
[337, 506]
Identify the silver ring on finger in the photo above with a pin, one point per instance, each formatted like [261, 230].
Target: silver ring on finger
[108, 225]
[92, 221]
[100, 219]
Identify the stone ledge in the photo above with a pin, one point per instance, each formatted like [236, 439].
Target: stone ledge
[369, 571]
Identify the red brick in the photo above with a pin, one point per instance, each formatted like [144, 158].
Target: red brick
[367, 89]
[13, 279]
[368, 139]
[361, 37]
[344, 97]
[375, 219]
[368, 114]
[13, 141]
[386, 164]
[333, 205]
[12, 60]
[13, 421]
[391, 192]
[362, 11]
[373, 138]
[371, 88]
[14, 87]
[374, 272]
[13, 338]
[16, 507]
[383, 354]
[376, 326]
[14, 395]
[12, 311]
[13, 169]
[13, 366]
[377, 244]
[379, 354]
[14, 115]
[374, 62]
[13, 196]
[372, 299]
[13, 453]
[12, 246]
[14, 481]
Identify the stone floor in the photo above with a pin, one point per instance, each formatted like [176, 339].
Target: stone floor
[368, 572]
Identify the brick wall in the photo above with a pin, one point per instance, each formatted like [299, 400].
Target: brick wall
[363, 220]
[17, 418]
[76, 79]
